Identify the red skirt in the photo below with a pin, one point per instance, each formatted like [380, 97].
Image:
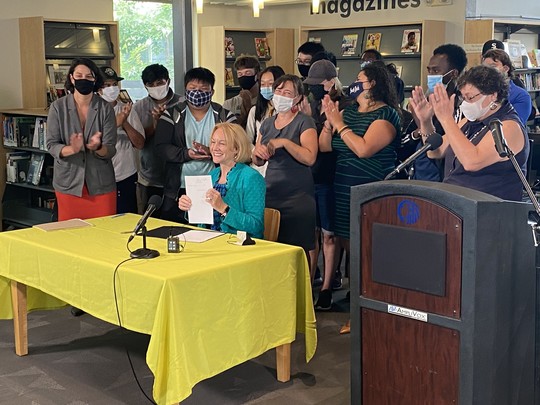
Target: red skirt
[87, 206]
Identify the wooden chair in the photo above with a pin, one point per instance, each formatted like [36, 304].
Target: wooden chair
[271, 224]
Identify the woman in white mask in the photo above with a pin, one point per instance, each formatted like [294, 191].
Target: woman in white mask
[468, 146]
[288, 142]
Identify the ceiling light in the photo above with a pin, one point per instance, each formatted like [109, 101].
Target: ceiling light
[255, 8]
[199, 6]
[315, 6]
[261, 4]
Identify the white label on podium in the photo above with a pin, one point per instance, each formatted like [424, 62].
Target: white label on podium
[408, 313]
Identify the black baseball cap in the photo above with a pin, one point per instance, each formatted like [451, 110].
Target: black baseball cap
[110, 74]
[492, 44]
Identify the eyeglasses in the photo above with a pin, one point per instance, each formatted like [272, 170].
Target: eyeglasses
[301, 62]
[462, 98]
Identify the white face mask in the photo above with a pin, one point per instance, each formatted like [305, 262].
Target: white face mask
[281, 103]
[158, 92]
[473, 111]
[110, 94]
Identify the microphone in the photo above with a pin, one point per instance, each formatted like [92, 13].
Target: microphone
[434, 141]
[495, 126]
[154, 203]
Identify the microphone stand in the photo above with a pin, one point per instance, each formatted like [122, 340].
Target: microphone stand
[533, 219]
[144, 252]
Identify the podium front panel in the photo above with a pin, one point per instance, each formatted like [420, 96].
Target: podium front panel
[408, 362]
[411, 254]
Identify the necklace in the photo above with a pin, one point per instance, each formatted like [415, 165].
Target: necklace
[470, 138]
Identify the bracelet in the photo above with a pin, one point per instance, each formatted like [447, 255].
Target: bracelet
[342, 129]
[344, 132]
[413, 137]
[426, 135]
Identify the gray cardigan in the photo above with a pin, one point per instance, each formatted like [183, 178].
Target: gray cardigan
[71, 172]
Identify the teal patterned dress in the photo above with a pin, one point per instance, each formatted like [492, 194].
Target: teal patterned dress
[352, 170]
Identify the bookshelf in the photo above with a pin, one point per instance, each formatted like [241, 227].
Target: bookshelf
[26, 182]
[389, 39]
[212, 52]
[34, 58]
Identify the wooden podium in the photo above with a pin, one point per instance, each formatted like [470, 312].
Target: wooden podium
[443, 285]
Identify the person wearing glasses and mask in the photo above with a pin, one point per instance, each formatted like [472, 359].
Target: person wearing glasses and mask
[471, 160]
[247, 69]
[306, 52]
[152, 169]
[446, 64]
[288, 142]
[183, 138]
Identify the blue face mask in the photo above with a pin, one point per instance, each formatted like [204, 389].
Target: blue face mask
[432, 80]
[356, 89]
[267, 93]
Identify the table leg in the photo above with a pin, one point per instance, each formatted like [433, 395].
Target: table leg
[283, 360]
[20, 321]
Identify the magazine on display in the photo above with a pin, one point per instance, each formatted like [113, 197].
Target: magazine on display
[373, 41]
[411, 41]
[348, 45]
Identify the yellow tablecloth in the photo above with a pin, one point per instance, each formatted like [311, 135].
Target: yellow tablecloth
[207, 309]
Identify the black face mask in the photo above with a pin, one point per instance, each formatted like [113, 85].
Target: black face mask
[84, 86]
[304, 70]
[318, 91]
[246, 82]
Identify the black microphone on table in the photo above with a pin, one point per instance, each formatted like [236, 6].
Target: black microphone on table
[434, 141]
[495, 126]
[154, 203]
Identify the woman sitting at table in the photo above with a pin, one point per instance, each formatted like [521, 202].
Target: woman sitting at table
[468, 147]
[238, 195]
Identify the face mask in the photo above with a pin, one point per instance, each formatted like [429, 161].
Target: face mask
[84, 86]
[198, 98]
[158, 92]
[473, 111]
[364, 64]
[110, 94]
[432, 80]
[282, 104]
[318, 91]
[304, 70]
[356, 89]
[247, 82]
[267, 93]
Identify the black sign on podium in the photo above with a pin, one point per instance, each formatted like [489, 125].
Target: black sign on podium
[443, 286]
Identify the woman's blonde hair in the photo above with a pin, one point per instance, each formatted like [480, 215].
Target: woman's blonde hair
[236, 138]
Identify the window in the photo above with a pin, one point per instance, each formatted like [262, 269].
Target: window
[146, 37]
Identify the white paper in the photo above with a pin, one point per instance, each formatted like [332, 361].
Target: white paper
[199, 236]
[201, 211]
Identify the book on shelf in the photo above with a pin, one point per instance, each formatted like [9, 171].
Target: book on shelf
[513, 49]
[17, 164]
[18, 131]
[533, 57]
[348, 44]
[35, 168]
[229, 78]
[373, 41]
[410, 42]
[261, 47]
[229, 47]
[40, 133]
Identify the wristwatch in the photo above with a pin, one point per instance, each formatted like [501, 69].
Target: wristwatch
[225, 212]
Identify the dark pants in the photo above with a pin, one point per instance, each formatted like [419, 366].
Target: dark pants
[170, 210]
[126, 195]
[143, 194]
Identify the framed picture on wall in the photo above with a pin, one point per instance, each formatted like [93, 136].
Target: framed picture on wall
[58, 75]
